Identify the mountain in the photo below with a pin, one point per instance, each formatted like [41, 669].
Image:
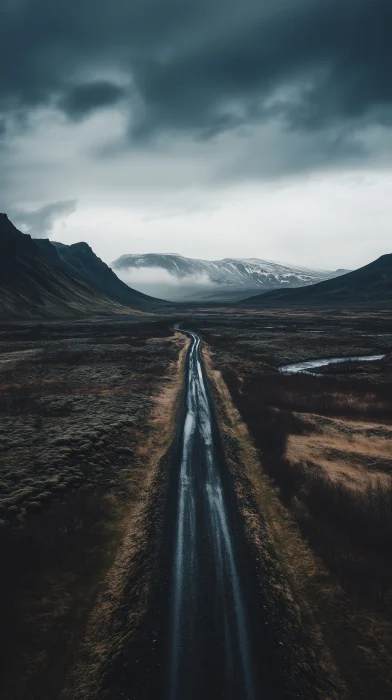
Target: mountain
[176, 277]
[89, 267]
[35, 281]
[371, 284]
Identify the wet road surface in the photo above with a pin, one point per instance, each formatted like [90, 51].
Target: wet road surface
[210, 651]
[217, 623]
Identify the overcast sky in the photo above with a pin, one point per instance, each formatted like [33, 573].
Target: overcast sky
[211, 128]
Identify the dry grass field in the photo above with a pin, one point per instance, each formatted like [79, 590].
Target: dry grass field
[325, 443]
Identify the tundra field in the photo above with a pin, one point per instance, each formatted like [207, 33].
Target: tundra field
[88, 415]
[325, 443]
[83, 407]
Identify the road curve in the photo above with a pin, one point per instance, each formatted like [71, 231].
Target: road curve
[209, 642]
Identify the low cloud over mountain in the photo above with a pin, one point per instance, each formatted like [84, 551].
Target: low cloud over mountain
[176, 278]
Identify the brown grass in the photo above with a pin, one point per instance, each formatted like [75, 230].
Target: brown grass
[334, 536]
[344, 451]
[128, 581]
[278, 547]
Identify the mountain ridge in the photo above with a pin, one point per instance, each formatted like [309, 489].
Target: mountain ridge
[81, 258]
[197, 279]
[36, 282]
[371, 283]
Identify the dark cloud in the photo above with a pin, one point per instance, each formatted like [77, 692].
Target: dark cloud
[202, 66]
[83, 99]
[39, 223]
[314, 63]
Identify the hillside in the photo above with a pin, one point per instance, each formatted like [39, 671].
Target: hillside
[36, 282]
[89, 267]
[176, 277]
[369, 284]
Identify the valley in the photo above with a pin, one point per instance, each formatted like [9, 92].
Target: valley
[89, 502]
[195, 499]
[195, 350]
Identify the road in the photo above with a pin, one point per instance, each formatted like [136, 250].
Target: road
[209, 641]
[217, 623]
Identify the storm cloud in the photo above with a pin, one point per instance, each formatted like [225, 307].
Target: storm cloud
[39, 223]
[212, 128]
[81, 100]
[201, 66]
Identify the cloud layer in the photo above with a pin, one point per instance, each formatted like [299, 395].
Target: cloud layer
[265, 120]
[39, 223]
[202, 66]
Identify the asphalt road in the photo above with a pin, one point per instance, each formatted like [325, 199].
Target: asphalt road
[214, 628]
[210, 652]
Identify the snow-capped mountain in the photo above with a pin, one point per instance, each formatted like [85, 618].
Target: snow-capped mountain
[175, 277]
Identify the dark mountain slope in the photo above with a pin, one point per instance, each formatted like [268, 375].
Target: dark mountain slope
[371, 284]
[35, 282]
[89, 267]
